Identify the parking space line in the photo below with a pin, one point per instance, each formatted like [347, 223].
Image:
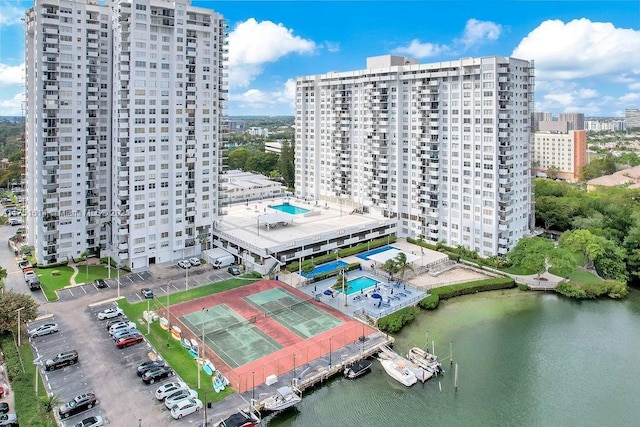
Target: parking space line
[141, 278]
[69, 289]
[85, 291]
[174, 287]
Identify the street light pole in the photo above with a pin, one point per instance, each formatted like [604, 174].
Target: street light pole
[168, 315]
[19, 310]
[118, 270]
[344, 273]
[148, 319]
[186, 281]
[197, 364]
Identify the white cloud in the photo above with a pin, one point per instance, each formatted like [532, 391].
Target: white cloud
[478, 32]
[581, 48]
[419, 50]
[11, 74]
[253, 44]
[12, 106]
[281, 100]
[10, 15]
[332, 46]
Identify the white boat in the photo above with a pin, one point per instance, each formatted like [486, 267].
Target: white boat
[284, 398]
[399, 371]
[425, 360]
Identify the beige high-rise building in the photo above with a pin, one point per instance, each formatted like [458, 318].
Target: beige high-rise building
[560, 155]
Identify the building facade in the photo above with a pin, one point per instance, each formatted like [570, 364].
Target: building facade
[575, 121]
[560, 155]
[632, 117]
[141, 92]
[443, 148]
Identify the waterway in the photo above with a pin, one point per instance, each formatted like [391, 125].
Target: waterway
[524, 359]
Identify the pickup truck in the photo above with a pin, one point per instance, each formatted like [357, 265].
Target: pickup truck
[34, 283]
[29, 273]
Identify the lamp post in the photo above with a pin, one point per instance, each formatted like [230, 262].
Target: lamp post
[148, 318]
[330, 351]
[118, 270]
[18, 311]
[168, 315]
[344, 273]
[253, 386]
[186, 280]
[202, 325]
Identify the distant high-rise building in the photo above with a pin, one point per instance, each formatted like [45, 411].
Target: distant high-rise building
[632, 117]
[560, 154]
[442, 147]
[124, 110]
[575, 121]
[539, 117]
[604, 125]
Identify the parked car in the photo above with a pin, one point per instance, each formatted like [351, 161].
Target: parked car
[8, 420]
[46, 329]
[28, 273]
[144, 367]
[185, 407]
[79, 404]
[147, 293]
[34, 283]
[100, 283]
[121, 326]
[128, 341]
[183, 263]
[61, 360]
[115, 321]
[173, 400]
[110, 313]
[155, 374]
[234, 270]
[4, 407]
[169, 388]
[24, 264]
[125, 333]
[15, 221]
[194, 262]
[95, 421]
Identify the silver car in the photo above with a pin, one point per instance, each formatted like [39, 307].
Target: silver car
[46, 329]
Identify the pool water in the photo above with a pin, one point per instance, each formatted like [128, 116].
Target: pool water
[290, 209]
[365, 255]
[324, 268]
[361, 283]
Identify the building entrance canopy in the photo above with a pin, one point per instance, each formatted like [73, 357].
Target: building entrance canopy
[382, 257]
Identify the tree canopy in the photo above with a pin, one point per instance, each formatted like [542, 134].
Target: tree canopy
[10, 302]
[539, 254]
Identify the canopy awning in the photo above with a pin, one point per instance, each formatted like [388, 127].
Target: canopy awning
[382, 257]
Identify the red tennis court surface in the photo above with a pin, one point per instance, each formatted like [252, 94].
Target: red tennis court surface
[296, 351]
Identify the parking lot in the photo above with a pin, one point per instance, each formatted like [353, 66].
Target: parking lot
[104, 369]
[172, 276]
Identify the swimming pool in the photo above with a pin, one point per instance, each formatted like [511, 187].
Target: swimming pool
[365, 255]
[361, 283]
[290, 209]
[324, 268]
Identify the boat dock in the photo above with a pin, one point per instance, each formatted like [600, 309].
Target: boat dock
[307, 376]
[421, 374]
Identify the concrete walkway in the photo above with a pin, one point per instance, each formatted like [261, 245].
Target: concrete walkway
[72, 280]
[546, 282]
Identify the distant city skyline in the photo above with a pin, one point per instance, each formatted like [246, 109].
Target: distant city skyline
[585, 52]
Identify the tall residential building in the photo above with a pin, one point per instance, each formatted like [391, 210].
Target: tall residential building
[124, 105]
[632, 117]
[575, 121]
[541, 116]
[560, 155]
[442, 147]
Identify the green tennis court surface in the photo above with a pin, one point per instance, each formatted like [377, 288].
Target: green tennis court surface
[299, 316]
[233, 338]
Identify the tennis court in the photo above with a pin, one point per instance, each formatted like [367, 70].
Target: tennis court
[294, 313]
[233, 338]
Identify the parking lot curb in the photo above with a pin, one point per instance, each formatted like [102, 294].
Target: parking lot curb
[94, 304]
[43, 317]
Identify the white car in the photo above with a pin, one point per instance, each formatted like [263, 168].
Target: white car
[169, 388]
[110, 313]
[95, 421]
[121, 327]
[15, 221]
[46, 329]
[176, 397]
[186, 407]
[194, 261]
[183, 263]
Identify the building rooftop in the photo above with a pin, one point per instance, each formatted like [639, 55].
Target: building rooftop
[622, 177]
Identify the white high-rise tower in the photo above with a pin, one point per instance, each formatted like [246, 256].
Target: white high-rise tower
[443, 147]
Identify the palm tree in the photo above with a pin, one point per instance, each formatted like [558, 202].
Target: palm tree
[49, 402]
[390, 266]
[402, 265]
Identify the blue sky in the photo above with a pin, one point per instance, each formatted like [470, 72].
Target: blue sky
[587, 53]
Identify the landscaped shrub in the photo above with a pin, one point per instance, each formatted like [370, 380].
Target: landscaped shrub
[612, 288]
[396, 321]
[429, 303]
[492, 284]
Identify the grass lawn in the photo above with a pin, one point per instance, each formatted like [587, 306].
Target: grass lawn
[579, 276]
[170, 349]
[578, 258]
[519, 271]
[86, 274]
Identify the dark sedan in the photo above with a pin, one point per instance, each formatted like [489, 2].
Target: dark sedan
[146, 366]
[155, 374]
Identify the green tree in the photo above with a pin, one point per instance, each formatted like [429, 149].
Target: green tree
[610, 264]
[286, 164]
[390, 266]
[598, 167]
[584, 241]
[538, 254]
[10, 302]
[401, 264]
[49, 402]
[238, 158]
[552, 172]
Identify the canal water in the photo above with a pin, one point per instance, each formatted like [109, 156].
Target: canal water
[524, 359]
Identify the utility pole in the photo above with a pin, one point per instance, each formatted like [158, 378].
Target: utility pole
[18, 311]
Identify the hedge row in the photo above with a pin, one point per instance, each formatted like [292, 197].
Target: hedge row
[395, 321]
[612, 288]
[308, 264]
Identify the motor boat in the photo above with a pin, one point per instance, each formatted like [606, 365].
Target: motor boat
[398, 370]
[242, 418]
[357, 369]
[285, 397]
[425, 360]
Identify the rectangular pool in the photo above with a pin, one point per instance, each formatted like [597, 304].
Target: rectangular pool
[365, 255]
[361, 283]
[290, 209]
[324, 268]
